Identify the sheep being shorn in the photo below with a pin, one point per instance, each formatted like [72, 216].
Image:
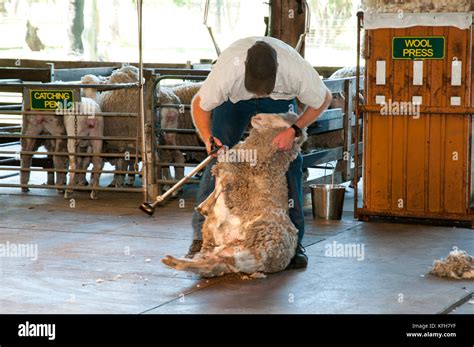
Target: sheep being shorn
[247, 227]
[88, 124]
[458, 264]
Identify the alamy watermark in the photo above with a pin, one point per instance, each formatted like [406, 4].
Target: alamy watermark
[69, 108]
[28, 329]
[345, 250]
[400, 108]
[238, 156]
[19, 250]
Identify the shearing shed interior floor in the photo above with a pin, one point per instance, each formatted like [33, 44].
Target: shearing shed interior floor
[104, 256]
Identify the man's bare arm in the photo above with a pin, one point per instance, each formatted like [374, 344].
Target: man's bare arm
[202, 122]
[311, 114]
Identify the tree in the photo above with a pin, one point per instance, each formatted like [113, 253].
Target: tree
[92, 31]
[32, 39]
[76, 14]
[2, 6]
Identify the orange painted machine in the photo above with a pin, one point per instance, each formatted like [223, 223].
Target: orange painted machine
[417, 121]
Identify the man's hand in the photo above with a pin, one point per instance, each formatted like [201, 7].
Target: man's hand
[209, 145]
[284, 140]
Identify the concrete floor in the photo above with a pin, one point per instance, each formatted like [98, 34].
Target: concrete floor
[104, 257]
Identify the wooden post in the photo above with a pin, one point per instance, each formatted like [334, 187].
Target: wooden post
[287, 21]
[349, 89]
[150, 138]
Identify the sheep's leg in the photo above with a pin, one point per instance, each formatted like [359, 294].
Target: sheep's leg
[206, 266]
[207, 205]
[60, 163]
[50, 174]
[71, 147]
[131, 176]
[53, 124]
[119, 178]
[208, 241]
[206, 208]
[97, 166]
[27, 145]
[82, 164]
[166, 176]
[113, 162]
[114, 181]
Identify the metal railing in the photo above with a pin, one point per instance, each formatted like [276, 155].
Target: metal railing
[189, 76]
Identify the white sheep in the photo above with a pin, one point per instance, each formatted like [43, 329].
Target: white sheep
[247, 227]
[42, 124]
[35, 125]
[88, 124]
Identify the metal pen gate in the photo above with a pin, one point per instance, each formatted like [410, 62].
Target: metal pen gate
[174, 74]
[27, 112]
[12, 161]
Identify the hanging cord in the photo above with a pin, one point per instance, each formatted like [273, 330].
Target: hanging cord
[209, 29]
[307, 24]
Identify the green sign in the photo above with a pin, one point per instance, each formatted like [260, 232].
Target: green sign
[428, 47]
[51, 99]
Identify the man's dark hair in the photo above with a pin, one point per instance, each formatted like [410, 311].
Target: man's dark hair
[261, 68]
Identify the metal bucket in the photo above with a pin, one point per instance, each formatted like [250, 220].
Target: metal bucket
[327, 201]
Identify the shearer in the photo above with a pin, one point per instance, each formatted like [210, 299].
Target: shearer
[257, 75]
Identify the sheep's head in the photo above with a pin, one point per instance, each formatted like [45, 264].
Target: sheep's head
[273, 120]
[169, 115]
[126, 74]
[91, 79]
[265, 128]
[263, 122]
[131, 71]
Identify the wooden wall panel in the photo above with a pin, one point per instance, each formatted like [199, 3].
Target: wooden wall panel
[379, 129]
[415, 138]
[437, 88]
[399, 92]
[456, 128]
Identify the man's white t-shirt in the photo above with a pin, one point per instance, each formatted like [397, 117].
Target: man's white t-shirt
[296, 78]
